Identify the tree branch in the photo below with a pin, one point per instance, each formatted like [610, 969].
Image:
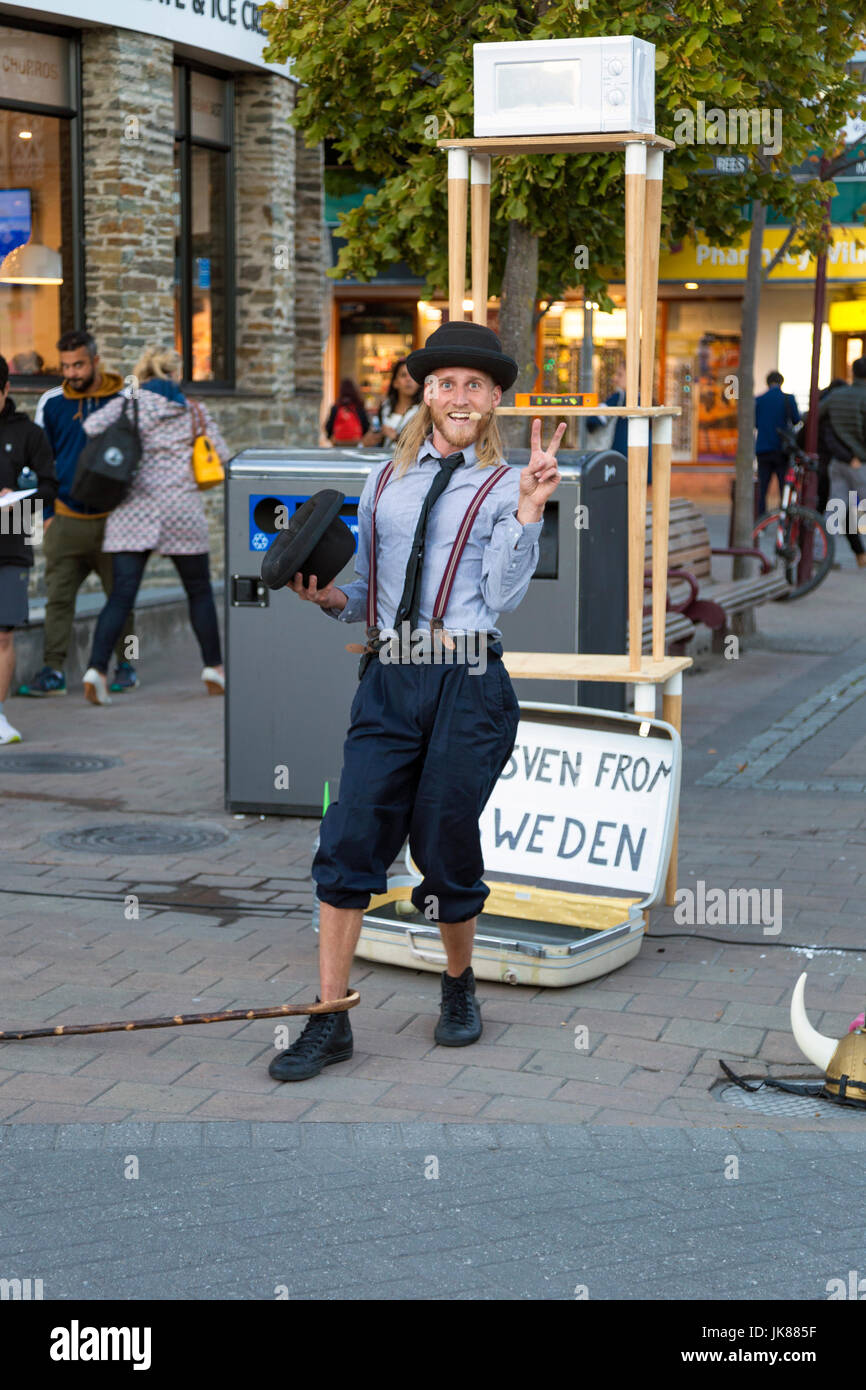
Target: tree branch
[789, 237]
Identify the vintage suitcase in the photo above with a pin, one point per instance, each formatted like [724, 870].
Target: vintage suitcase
[576, 840]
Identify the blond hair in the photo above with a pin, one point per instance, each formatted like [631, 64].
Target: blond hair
[157, 362]
[488, 447]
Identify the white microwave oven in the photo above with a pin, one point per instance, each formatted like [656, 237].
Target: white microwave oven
[564, 86]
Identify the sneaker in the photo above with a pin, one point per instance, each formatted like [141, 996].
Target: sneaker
[216, 685]
[460, 1013]
[96, 687]
[45, 682]
[7, 733]
[125, 677]
[327, 1038]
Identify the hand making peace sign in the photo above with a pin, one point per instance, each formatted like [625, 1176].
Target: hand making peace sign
[540, 476]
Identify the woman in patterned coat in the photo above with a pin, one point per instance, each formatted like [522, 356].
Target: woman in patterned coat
[163, 511]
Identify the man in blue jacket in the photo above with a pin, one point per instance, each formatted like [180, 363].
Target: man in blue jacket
[73, 535]
[773, 409]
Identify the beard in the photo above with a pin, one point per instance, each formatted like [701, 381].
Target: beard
[80, 387]
[460, 433]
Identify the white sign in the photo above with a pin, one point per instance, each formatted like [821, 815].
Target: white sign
[10, 498]
[579, 805]
[230, 28]
[33, 67]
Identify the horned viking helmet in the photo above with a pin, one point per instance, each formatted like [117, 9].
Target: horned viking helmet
[844, 1062]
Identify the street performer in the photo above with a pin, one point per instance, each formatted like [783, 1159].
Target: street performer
[448, 537]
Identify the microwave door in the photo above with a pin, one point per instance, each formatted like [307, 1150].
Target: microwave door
[546, 96]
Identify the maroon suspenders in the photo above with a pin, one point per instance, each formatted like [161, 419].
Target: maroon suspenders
[384, 476]
[444, 592]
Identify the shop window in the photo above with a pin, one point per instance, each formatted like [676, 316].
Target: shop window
[39, 199]
[373, 336]
[562, 329]
[794, 360]
[204, 203]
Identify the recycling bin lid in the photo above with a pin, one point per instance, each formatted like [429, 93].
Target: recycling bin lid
[259, 463]
[269, 463]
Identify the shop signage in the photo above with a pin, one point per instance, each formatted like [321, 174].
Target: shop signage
[848, 316]
[702, 261]
[34, 67]
[227, 28]
[727, 164]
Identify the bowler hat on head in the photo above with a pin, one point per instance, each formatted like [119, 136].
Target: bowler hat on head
[316, 541]
[464, 345]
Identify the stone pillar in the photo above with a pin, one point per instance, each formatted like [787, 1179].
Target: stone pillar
[265, 259]
[128, 132]
[314, 291]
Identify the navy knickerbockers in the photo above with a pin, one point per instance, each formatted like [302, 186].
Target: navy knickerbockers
[425, 747]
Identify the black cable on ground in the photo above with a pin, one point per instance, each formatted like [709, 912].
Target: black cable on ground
[780, 945]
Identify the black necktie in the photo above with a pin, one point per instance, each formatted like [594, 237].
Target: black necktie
[410, 603]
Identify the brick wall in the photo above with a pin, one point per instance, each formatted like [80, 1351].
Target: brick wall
[282, 295]
[128, 135]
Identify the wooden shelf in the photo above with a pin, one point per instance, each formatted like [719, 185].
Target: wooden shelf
[636, 412]
[557, 144]
[586, 666]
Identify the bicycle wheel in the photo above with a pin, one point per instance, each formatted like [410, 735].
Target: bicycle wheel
[779, 536]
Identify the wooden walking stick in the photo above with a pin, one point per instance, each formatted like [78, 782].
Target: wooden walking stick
[65, 1030]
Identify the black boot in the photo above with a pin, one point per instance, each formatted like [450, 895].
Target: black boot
[327, 1038]
[460, 1013]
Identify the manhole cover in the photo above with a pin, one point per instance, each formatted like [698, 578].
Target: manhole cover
[140, 839]
[55, 762]
[770, 1102]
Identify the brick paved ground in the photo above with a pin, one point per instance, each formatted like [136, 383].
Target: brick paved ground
[774, 773]
[432, 1211]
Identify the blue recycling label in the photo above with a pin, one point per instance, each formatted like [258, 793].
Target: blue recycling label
[271, 512]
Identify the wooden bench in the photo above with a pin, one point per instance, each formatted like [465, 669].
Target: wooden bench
[692, 593]
[678, 630]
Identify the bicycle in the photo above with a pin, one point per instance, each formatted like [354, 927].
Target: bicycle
[781, 535]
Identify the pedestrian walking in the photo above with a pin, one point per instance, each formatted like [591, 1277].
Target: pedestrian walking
[774, 409]
[26, 462]
[447, 534]
[162, 511]
[843, 410]
[73, 542]
[348, 421]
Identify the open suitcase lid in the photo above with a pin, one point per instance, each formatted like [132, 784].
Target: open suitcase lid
[587, 804]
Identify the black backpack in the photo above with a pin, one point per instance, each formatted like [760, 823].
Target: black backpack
[108, 463]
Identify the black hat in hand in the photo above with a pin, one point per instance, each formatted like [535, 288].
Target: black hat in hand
[316, 541]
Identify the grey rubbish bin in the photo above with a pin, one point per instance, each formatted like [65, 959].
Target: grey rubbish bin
[290, 680]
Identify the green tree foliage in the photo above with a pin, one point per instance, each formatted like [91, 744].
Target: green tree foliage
[384, 80]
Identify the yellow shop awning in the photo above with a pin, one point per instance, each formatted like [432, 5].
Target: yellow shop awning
[700, 260]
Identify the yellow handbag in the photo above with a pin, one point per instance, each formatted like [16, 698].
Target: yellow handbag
[206, 464]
